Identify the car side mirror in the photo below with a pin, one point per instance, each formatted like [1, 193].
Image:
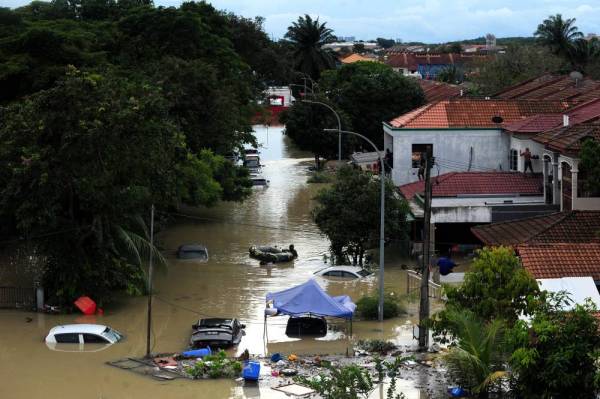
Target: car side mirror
[242, 326]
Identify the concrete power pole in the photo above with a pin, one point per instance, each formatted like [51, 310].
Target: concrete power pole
[424, 303]
[150, 272]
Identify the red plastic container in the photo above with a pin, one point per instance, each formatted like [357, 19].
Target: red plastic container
[86, 305]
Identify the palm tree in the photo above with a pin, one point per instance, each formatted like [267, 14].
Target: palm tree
[558, 34]
[308, 37]
[584, 52]
[478, 360]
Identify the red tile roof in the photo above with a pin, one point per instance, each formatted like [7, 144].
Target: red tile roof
[477, 183]
[411, 61]
[474, 113]
[559, 227]
[436, 91]
[553, 87]
[561, 260]
[585, 112]
[567, 140]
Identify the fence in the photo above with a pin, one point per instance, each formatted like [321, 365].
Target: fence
[17, 297]
[413, 284]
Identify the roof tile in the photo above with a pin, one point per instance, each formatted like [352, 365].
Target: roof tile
[561, 260]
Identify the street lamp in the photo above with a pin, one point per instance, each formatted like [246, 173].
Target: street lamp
[382, 216]
[339, 126]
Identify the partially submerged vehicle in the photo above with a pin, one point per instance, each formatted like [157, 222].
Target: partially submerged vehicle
[252, 162]
[306, 326]
[346, 272]
[273, 254]
[82, 334]
[259, 180]
[193, 251]
[216, 332]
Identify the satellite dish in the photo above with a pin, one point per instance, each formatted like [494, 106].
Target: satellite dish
[497, 119]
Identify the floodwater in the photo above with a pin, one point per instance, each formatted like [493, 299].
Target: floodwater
[230, 284]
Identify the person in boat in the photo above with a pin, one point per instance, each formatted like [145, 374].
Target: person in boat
[292, 250]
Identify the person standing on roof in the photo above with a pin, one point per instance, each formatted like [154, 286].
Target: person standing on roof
[527, 156]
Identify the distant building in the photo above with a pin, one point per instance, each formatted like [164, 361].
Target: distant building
[429, 65]
[346, 38]
[352, 58]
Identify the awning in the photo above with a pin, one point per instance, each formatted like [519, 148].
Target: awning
[310, 298]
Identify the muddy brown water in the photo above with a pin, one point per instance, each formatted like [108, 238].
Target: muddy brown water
[230, 284]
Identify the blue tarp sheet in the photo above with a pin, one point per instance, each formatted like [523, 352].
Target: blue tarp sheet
[310, 298]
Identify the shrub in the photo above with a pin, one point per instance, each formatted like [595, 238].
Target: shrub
[368, 307]
[215, 366]
[376, 346]
[320, 177]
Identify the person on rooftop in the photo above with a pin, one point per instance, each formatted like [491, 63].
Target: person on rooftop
[527, 156]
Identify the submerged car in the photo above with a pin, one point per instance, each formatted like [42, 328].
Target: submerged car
[306, 326]
[192, 251]
[83, 334]
[349, 272]
[216, 332]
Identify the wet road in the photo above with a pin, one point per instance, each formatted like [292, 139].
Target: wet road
[230, 284]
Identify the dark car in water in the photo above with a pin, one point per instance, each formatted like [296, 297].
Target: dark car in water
[306, 326]
[216, 332]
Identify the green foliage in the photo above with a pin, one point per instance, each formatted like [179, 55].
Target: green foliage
[215, 366]
[557, 355]
[590, 166]
[558, 34]
[477, 360]
[496, 287]
[347, 382]
[519, 63]
[368, 307]
[451, 74]
[320, 177]
[308, 37]
[370, 93]
[385, 43]
[348, 213]
[376, 346]
[304, 124]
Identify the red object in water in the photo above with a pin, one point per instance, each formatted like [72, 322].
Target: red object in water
[100, 311]
[86, 305]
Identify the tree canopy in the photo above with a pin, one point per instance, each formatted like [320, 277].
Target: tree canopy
[348, 213]
[108, 107]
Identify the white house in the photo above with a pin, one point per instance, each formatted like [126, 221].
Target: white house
[463, 134]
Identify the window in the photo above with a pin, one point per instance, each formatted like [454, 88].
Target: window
[333, 273]
[364, 272]
[418, 150]
[94, 339]
[67, 338]
[513, 160]
[349, 275]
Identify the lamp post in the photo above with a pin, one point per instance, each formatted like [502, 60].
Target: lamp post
[381, 219]
[339, 126]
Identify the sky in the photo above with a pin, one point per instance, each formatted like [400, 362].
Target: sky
[431, 21]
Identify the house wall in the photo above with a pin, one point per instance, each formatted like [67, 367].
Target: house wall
[519, 144]
[474, 209]
[451, 147]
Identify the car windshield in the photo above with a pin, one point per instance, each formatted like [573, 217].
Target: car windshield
[111, 334]
[364, 273]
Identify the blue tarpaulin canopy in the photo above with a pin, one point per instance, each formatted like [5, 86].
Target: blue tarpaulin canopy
[310, 298]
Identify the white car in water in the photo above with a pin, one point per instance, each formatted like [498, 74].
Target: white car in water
[346, 272]
[82, 334]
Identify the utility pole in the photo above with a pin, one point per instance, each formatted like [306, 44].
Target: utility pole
[150, 271]
[424, 303]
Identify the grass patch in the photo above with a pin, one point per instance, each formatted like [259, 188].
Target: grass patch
[376, 346]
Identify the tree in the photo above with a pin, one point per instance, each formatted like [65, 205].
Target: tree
[451, 74]
[348, 213]
[304, 124]
[477, 361]
[519, 63]
[358, 48]
[85, 159]
[590, 166]
[557, 354]
[496, 287]
[385, 43]
[558, 34]
[308, 37]
[584, 53]
[371, 93]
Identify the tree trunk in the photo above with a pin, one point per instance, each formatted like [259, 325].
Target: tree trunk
[317, 164]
